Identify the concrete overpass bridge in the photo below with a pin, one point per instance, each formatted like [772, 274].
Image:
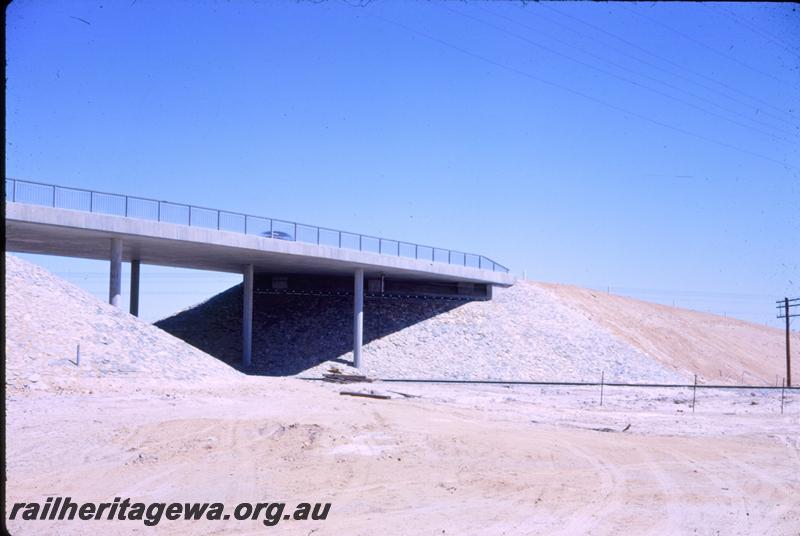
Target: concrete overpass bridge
[72, 222]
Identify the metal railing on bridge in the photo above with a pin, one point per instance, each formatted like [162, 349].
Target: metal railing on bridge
[51, 195]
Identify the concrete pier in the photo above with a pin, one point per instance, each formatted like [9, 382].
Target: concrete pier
[247, 316]
[115, 276]
[135, 269]
[358, 316]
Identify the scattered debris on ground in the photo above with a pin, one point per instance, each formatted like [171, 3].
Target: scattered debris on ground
[345, 378]
[405, 395]
[370, 394]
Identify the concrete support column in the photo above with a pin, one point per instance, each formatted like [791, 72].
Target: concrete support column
[115, 279]
[135, 265]
[358, 317]
[247, 316]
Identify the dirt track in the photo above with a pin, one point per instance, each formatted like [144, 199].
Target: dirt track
[454, 461]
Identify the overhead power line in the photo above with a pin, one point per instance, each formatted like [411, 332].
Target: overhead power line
[754, 29]
[643, 75]
[614, 75]
[680, 66]
[711, 49]
[580, 93]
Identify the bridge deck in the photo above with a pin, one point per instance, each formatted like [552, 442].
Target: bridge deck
[72, 233]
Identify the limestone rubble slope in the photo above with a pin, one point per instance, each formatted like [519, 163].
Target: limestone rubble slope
[47, 318]
[530, 331]
[523, 333]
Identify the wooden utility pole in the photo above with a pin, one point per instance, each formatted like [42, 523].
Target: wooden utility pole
[785, 311]
[788, 344]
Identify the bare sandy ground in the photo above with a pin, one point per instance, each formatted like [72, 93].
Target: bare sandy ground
[451, 460]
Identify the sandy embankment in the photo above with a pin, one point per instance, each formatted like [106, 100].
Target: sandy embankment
[718, 349]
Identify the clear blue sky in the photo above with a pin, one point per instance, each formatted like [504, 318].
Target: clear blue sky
[654, 149]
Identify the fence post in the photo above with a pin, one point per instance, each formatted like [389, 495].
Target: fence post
[126, 206]
[340, 239]
[54, 197]
[190, 215]
[416, 251]
[783, 386]
[317, 235]
[245, 224]
[295, 232]
[694, 393]
[91, 201]
[159, 210]
[218, 218]
[14, 191]
[602, 382]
